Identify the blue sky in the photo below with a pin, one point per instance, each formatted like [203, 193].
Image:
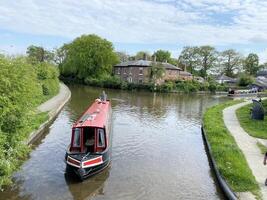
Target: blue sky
[136, 25]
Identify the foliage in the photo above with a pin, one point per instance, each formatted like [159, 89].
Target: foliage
[188, 59]
[21, 92]
[251, 64]
[39, 54]
[156, 72]
[255, 128]
[229, 158]
[162, 56]
[123, 57]
[206, 56]
[231, 62]
[143, 55]
[88, 56]
[245, 80]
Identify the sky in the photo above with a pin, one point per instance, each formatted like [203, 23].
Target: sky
[136, 25]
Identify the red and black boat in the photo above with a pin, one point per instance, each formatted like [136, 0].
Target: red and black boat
[90, 148]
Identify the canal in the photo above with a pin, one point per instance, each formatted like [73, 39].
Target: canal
[157, 153]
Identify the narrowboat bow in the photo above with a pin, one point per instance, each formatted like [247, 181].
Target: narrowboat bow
[90, 148]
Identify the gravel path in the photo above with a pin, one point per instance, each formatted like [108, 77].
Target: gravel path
[248, 145]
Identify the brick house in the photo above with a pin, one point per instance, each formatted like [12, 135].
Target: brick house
[138, 71]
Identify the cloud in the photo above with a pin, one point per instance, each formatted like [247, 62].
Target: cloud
[184, 22]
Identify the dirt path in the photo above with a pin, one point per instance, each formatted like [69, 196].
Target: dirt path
[248, 145]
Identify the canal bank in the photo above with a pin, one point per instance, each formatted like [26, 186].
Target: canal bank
[229, 162]
[53, 106]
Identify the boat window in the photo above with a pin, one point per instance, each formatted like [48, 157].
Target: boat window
[101, 138]
[76, 137]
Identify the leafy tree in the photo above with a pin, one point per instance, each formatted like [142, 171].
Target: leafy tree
[122, 56]
[156, 72]
[231, 61]
[245, 80]
[162, 56]
[188, 58]
[263, 66]
[39, 54]
[251, 64]
[143, 54]
[206, 59]
[60, 55]
[88, 56]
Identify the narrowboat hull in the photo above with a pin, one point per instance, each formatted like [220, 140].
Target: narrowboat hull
[85, 168]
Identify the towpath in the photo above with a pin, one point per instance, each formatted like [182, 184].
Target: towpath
[249, 147]
[53, 104]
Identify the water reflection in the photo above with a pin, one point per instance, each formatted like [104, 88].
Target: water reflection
[88, 188]
[157, 151]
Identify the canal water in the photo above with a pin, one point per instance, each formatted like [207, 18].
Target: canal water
[157, 153]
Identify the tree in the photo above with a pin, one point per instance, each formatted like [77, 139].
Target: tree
[60, 54]
[88, 56]
[39, 54]
[251, 64]
[231, 62]
[162, 56]
[245, 80]
[206, 59]
[141, 55]
[157, 71]
[122, 56]
[188, 58]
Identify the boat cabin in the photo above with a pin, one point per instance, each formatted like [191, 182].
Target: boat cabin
[88, 139]
[90, 132]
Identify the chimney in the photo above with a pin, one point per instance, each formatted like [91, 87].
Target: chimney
[145, 56]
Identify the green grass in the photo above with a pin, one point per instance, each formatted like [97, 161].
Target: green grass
[255, 128]
[262, 148]
[229, 158]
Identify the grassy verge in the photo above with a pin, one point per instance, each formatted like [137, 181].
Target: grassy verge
[262, 148]
[255, 128]
[229, 158]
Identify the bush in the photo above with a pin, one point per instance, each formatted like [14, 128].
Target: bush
[23, 86]
[245, 80]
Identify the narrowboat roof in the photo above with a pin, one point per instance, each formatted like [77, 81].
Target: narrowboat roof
[95, 116]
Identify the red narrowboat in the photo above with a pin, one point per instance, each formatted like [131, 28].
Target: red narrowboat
[90, 148]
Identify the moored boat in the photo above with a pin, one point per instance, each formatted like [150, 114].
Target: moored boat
[90, 148]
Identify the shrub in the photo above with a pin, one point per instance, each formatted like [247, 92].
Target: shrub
[23, 86]
[245, 80]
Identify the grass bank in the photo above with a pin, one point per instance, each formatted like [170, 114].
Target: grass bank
[229, 158]
[255, 128]
[23, 86]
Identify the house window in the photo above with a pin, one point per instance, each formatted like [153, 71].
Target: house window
[140, 70]
[140, 81]
[125, 70]
[77, 137]
[119, 70]
[101, 138]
